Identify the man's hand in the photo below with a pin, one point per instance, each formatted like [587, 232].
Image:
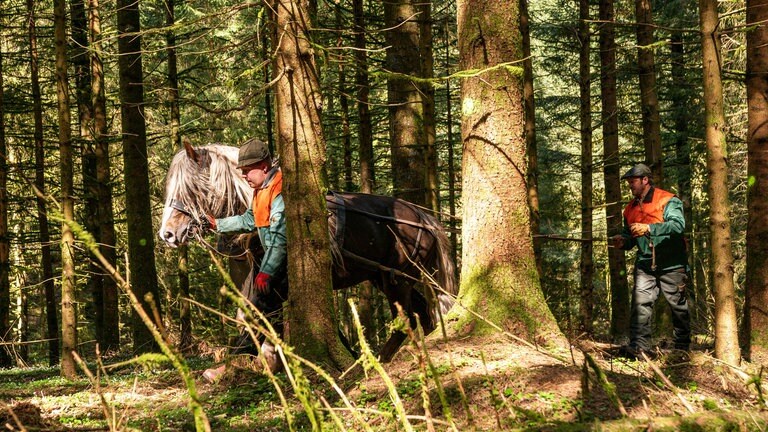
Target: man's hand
[262, 282]
[639, 229]
[618, 241]
[211, 222]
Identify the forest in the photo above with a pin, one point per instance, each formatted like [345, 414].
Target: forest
[463, 274]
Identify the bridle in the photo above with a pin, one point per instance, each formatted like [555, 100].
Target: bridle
[197, 229]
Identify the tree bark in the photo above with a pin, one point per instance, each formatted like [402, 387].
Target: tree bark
[586, 266]
[312, 321]
[426, 48]
[406, 111]
[141, 239]
[649, 100]
[110, 333]
[497, 257]
[5, 242]
[52, 319]
[755, 323]
[611, 171]
[68, 301]
[726, 338]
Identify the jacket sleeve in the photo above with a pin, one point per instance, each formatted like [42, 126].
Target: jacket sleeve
[674, 220]
[236, 224]
[274, 239]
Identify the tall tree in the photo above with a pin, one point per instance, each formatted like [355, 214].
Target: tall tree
[52, 319]
[497, 256]
[110, 332]
[427, 89]
[364, 126]
[755, 322]
[611, 170]
[312, 321]
[530, 132]
[649, 101]
[586, 266]
[726, 337]
[5, 241]
[141, 242]
[68, 301]
[406, 110]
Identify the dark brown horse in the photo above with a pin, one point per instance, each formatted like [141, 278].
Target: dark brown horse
[387, 241]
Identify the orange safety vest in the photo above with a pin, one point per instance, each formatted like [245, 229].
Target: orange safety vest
[262, 200]
[650, 210]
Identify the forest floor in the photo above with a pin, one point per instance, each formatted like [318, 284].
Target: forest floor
[487, 383]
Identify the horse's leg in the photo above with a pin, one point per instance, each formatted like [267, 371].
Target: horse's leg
[398, 292]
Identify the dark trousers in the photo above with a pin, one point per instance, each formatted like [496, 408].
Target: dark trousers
[269, 303]
[647, 286]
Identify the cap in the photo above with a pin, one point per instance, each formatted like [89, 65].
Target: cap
[639, 170]
[251, 152]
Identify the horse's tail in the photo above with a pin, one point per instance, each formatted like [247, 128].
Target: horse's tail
[446, 268]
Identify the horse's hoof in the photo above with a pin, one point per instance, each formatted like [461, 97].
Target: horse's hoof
[214, 374]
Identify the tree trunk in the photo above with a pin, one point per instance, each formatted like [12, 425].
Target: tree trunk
[141, 239]
[586, 266]
[649, 100]
[364, 127]
[755, 323]
[5, 243]
[530, 132]
[312, 321]
[68, 301]
[726, 338]
[611, 171]
[52, 318]
[497, 257]
[406, 111]
[110, 308]
[426, 48]
[451, 171]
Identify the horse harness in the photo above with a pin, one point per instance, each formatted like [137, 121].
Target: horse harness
[336, 205]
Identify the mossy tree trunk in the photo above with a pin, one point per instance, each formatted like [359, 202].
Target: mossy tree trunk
[312, 320]
[755, 330]
[499, 279]
[726, 338]
[5, 242]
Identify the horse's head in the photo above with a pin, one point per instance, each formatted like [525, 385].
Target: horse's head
[201, 180]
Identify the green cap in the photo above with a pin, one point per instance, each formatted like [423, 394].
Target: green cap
[251, 152]
[639, 170]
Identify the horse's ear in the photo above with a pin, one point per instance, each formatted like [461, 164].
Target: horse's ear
[191, 153]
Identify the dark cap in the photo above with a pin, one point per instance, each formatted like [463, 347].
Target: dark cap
[639, 170]
[251, 152]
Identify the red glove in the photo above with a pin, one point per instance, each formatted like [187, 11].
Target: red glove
[262, 282]
[211, 222]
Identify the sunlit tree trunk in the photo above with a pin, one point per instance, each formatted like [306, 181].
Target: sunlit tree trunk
[726, 337]
[51, 307]
[497, 253]
[141, 239]
[586, 266]
[649, 100]
[312, 321]
[68, 301]
[109, 309]
[5, 242]
[426, 48]
[755, 322]
[406, 111]
[611, 171]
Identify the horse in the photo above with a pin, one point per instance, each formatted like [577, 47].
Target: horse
[387, 241]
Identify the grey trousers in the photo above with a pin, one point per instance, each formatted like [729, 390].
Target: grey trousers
[647, 286]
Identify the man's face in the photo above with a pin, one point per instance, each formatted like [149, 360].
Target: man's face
[255, 174]
[637, 185]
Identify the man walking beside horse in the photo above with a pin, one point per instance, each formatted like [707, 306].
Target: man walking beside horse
[269, 288]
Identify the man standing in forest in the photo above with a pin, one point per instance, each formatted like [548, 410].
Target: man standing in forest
[269, 288]
[654, 222]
